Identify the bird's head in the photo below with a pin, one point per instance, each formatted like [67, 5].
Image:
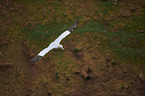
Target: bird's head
[60, 46]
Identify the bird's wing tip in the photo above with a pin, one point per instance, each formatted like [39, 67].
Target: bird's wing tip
[74, 26]
[78, 20]
[36, 58]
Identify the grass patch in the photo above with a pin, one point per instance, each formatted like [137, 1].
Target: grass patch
[106, 7]
[135, 23]
[126, 45]
[43, 35]
[125, 41]
[92, 26]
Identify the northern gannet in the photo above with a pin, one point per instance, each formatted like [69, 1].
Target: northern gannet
[55, 44]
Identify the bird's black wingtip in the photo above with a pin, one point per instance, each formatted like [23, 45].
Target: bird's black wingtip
[36, 58]
[77, 21]
[74, 26]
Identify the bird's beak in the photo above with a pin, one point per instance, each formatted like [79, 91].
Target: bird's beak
[62, 48]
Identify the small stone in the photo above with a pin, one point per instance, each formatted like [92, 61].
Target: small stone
[7, 64]
[99, 42]
[140, 76]
[125, 13]
[66, 3]
[0, 53]
[85, 75]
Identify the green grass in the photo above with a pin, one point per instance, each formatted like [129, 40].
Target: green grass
[92, 26]
[106, 7]
[42, 35]
[126, 45]
[40, 22]
[125, 42]
[135, 23]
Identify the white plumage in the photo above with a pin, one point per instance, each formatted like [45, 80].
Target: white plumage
[55, 44]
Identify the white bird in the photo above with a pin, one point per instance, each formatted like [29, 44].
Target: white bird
[55, 44]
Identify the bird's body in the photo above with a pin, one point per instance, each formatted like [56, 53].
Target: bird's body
[55, 44]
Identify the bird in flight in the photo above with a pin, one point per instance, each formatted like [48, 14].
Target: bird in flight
[55, 44]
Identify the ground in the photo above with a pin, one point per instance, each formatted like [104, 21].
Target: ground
[107, 46]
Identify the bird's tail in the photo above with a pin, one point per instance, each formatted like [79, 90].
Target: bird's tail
[73, 27]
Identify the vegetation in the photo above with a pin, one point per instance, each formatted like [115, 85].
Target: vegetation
[109, 41]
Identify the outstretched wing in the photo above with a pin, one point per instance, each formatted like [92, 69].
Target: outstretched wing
[46, 50]
[63, 35]
[42, 53]
[36, 58]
